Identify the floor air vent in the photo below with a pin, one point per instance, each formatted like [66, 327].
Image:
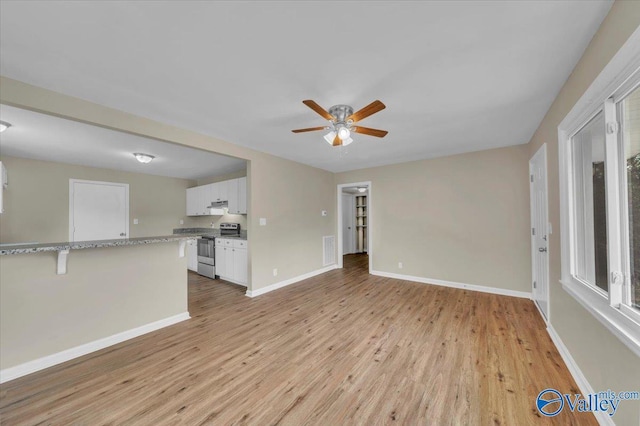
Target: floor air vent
[328, 250]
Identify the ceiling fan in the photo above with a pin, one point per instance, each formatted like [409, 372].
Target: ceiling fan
[342, 121]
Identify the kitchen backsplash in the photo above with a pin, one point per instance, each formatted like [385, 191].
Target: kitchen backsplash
[205, 221]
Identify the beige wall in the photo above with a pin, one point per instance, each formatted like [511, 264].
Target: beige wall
[288, 194]
[463, 218]
[220, 178]
[37, 200]
[105, 291]
[605, 361]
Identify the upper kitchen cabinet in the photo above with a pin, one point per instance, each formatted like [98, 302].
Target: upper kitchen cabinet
[233, 191]
[192, 201]
[238, 196]
[221, 190]
[242, 195]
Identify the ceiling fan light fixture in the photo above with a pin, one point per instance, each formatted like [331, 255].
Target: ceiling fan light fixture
[346, 141]
[143, 158]
[344, 133]
[329, 137]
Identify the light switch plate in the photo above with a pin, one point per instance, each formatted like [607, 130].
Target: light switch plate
[263, 221]
[181, 222]
[135, 221]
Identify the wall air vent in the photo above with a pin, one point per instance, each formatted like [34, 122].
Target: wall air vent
[328, 250]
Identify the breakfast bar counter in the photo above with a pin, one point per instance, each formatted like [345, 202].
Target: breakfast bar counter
[64, 248]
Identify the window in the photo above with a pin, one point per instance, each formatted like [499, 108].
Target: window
[599, 147]
[629, 113]
[590, 211]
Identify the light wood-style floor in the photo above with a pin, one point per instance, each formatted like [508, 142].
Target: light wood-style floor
[340, 348]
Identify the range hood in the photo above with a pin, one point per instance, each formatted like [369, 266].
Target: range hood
[217, 207]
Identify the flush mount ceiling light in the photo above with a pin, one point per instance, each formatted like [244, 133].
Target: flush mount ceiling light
[143, 158]
[341, 122]
[4, 126]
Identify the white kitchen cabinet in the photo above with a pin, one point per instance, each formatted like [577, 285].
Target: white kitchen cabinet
[213, 192]
[192, 255]
[238, 196]
[204, 200]
[234, 191]
[223, 190]
[242, 195]
[240, 265]
[232, 260]
[192, 201]
[221, 262]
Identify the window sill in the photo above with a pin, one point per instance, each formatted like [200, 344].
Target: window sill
[621, 325]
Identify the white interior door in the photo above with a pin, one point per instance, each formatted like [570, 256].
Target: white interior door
[348, 224]
[539, 229]
[98, 210]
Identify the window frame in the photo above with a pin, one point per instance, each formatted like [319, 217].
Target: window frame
[618, 79]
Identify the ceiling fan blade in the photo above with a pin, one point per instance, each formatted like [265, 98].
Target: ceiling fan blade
[317, 108]
[371, 132]
[370, 109]
[337, 141]
[309, 129]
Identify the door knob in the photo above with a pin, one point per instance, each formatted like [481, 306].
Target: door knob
[542, 249]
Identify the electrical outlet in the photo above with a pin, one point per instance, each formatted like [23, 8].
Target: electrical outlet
[275, 272]
[135, 221]
[181, 222]
[399, 265]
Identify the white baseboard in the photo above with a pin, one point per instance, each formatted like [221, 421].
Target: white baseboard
[267, 289]
[580, 379]
[472, 287]
[50, 360]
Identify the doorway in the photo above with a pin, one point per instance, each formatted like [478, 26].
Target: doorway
[98, 210]
[539, 230]
[355, 224]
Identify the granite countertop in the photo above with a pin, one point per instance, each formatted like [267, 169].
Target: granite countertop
[209, 232]
[20, 248]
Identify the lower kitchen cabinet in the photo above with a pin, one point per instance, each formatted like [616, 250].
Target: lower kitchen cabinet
[231, 260]
[192, 255]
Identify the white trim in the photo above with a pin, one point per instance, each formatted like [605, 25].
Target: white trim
[29, 367]
[369, 221]
[543, 152]
[276, 286]
[576, 373]
[472, 287]
[96, 182]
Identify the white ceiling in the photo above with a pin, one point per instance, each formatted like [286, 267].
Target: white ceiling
[44, 137]
[455, 76]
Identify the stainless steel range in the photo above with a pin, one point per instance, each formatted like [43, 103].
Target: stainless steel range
[206, 257]
[206, 249]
